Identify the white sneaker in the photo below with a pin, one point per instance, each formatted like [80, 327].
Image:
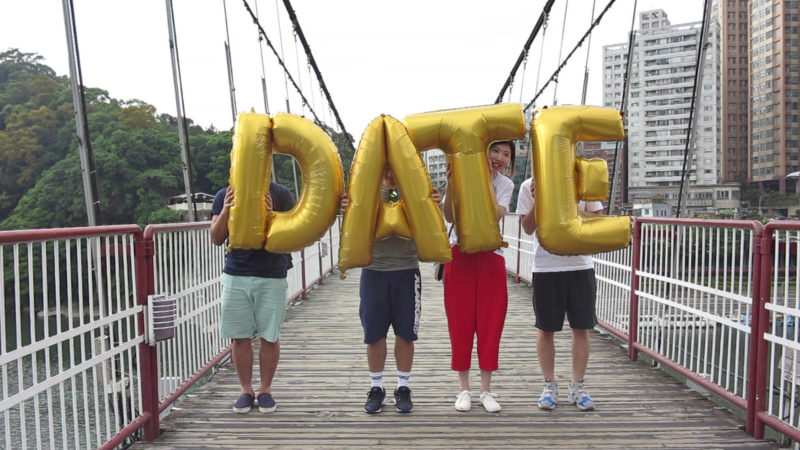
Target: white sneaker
[463, 401]
[489, 402]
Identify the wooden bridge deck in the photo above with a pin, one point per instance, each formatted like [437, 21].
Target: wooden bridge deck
[322, 382]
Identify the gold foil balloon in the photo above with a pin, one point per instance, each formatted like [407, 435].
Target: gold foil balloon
[249, 178]
[592, 179]
[465, 136]
[562, 229]
[363, 190]
[424, 216]
[367, 219]
[392, 221]
[323, 183]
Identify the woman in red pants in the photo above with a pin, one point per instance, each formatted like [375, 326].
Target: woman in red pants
[475, 294]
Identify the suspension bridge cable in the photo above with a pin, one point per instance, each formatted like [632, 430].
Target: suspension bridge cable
[299, 31]
[297, 63]
[263, 68]
[88, 169]
[623, 107]
[698, 73]
[280, 61]
[183, 134]
[561, 49]
[541, 53]
[564, 63]
[586, 66]
[542, 22]
[280, 41]
[229, 61]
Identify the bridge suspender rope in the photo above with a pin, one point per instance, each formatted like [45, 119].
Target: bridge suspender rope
[564, 63]
[542, 22]
[307, 48]
[286, 86]
[180, 112]
[264, 87]
[88, 170]
[626, 82]
[280, 61]
[698, 76]
[231, 87]
[586, 66]
[560, 49]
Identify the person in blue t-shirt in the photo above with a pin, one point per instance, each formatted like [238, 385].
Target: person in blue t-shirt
[253, 300]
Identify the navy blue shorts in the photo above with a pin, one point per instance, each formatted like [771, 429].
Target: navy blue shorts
[391, 297]
[573, 293]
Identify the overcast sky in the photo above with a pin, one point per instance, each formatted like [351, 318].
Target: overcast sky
[376, 57]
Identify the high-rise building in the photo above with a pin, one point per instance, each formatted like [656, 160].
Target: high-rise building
[660, 102]
[774, 134]
[732, 16]
[436, 161]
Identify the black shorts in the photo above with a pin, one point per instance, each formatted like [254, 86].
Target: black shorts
[558, 293]
[390, 297]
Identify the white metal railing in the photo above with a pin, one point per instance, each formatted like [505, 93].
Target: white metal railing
[70, 332]
[75, 370]
[691, 308]
[780, 328]
[187, 267]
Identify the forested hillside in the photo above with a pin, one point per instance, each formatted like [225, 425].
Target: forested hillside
[137, 153]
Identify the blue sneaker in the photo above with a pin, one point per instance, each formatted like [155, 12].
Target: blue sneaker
[579, 396]
[549, 398]
[266, 404]
[402, 400]
[375, 400]
[244, 404]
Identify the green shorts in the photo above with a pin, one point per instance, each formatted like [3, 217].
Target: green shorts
[252, 304]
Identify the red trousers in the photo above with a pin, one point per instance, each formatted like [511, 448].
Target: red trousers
[475, 300]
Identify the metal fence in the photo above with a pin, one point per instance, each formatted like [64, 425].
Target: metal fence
[85, 358]
[82, 365]
[70, 330]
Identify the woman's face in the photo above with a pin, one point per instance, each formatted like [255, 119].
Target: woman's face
[499, 157]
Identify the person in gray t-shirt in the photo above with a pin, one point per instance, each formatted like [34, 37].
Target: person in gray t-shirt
[391, 295]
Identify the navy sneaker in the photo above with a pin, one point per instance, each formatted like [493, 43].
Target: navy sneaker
[375, 400]
[266, 404]
[244, 404]
[402, 400]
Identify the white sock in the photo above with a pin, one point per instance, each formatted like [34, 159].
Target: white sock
[402, 378]
[376, 378]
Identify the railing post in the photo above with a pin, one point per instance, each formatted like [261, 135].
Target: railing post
[303, 293]
[633, 318]
[330, 244]
[759, 324]
[143, 253]
[519, 244]
[319, 260]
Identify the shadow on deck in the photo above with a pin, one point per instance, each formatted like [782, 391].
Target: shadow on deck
[322, 382]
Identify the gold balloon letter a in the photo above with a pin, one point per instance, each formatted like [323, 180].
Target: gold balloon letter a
[465, 135]
[562, 228]
[385, 140]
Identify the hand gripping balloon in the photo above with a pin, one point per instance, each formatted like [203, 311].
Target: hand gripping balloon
[465, 136]
[562, 228]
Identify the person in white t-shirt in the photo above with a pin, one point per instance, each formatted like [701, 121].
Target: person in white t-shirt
[562, 285]
[475, 291]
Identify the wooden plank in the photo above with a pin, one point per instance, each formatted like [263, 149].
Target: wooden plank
[322, 382]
